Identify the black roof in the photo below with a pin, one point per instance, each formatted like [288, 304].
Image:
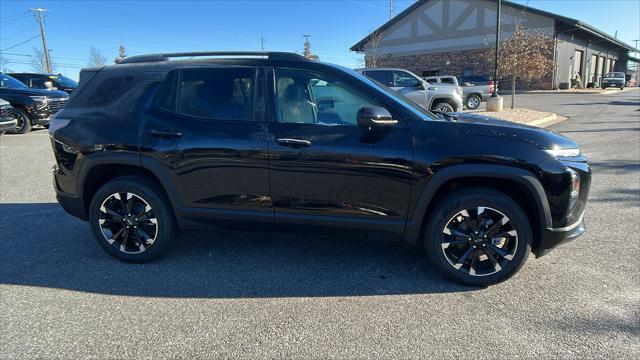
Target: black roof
[359, 46]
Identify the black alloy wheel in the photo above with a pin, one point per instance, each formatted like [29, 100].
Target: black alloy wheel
[128, 222]
[478, 236]
[24, 122]
[132, 219]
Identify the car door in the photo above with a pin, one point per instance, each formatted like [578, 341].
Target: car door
[212, 140]
[325, 171]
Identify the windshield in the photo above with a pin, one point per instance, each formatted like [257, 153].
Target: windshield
[420, 111]
[614, 75]
[8, 82]
[64, 81]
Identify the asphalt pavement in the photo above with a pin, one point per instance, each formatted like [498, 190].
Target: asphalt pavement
[244, 295]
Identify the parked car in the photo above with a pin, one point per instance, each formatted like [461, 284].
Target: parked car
[46, 81]
[8, 120]
[31, 106]
[614, 79]
[431, 97]
[472, 93]
[275, 142]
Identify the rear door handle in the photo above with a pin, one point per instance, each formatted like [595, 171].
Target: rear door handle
[293, 142]
[166, 133]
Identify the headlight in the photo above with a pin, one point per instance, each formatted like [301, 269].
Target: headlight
[41, 101]
[564, 153]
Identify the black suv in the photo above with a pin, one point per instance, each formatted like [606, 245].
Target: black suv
[46, 81]
[31, 106]
[271, 141]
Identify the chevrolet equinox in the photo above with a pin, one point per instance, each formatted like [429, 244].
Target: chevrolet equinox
[274, 142]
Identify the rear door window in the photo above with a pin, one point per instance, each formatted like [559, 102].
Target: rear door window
[217, 93]
[404, 79]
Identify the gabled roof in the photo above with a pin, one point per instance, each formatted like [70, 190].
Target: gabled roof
[359, 46]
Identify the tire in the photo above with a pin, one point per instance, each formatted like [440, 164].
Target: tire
[622, 88]
[24, 122]
[445, 250]
[443, 106]
[473, 101]
[159, 233]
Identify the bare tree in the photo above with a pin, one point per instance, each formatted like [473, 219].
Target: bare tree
[38, 62]
[122, 53]
[96, 58]
[525, 55]
[373, 55]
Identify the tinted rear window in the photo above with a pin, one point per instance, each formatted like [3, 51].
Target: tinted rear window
[380, 76]
[217, 93]
[166, 99]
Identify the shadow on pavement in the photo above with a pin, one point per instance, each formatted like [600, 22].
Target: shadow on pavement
[626, 102]
[43, 246]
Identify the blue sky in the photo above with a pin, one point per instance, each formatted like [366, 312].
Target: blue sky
[74, 26]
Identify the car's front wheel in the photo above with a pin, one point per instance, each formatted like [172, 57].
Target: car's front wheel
[478, 237]
[473, 101]
[24, 122]
[132, 219]
[443, 107]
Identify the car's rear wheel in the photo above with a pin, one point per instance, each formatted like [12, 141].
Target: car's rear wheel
[24, 122]
[132, 219]
[443, 107]
[473, 101]
[478, 237]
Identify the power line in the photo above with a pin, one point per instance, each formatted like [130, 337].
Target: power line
[18, 44]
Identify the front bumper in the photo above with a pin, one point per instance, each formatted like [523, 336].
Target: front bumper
[552, 237]
[7, 125]
[613, 84]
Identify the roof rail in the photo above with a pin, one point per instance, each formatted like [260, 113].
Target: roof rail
[273, 55]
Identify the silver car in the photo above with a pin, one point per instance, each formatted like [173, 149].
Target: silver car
[431, 97]
[475, 88]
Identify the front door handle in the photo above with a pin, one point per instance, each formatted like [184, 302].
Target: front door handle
[166, 134]
[293, 142]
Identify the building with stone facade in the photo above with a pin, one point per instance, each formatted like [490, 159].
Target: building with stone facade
[447, 37]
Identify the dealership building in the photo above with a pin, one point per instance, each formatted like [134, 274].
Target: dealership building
[448, 37]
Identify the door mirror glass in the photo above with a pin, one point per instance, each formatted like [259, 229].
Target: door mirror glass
[372, 117]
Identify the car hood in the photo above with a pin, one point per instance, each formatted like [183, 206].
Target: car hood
[488, 126]
[37, 92]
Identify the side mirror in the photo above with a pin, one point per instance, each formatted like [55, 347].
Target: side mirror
[375, 117]
[422, 85]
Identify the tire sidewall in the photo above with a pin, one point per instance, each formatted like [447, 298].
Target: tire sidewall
[433, 235]
[469, 100]
[154, 197]
[449, 107]
[25, 120]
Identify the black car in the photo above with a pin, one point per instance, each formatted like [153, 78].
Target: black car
[46, 81]
[271, 141]
[8, 120]
[31, 106]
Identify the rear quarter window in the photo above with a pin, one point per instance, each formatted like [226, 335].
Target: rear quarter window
[109, 90]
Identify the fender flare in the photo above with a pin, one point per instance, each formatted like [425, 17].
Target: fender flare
[131, 159]
[416, 218]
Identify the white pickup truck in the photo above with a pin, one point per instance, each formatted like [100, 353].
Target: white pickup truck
[475, 88]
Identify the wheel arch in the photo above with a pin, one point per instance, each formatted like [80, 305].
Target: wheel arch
[100, 171]
[517, 183]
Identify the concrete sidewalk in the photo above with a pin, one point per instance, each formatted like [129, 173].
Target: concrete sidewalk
[598, 91]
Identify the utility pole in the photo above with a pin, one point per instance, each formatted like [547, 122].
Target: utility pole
[497, 55]
[390, 9]
[637, 64]
[47, 59]
[262, 42]
[307, 46]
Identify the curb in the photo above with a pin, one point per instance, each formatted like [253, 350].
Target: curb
[617, 91]
[603, 92]
[547, 121]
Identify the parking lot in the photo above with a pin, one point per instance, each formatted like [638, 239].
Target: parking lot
[248, 295]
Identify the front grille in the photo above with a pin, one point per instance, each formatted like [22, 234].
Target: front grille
[6, 112]
[55, 105]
